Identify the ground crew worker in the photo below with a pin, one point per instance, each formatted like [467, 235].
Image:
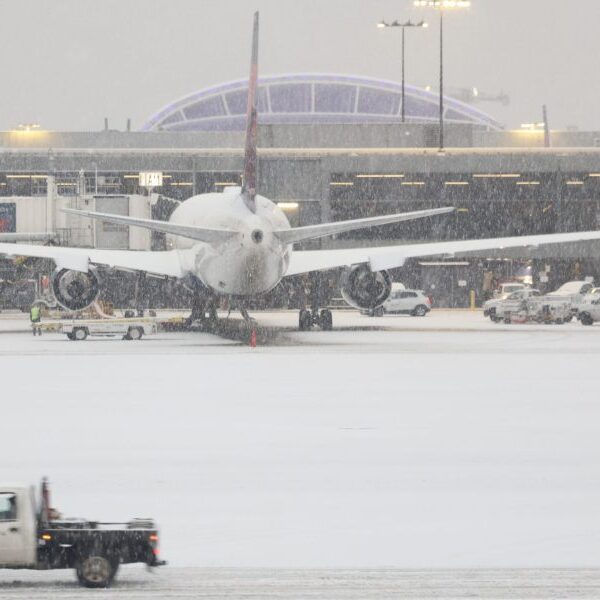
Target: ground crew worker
[35, 315]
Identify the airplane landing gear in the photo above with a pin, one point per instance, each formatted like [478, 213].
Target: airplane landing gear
[317, 296]
[326, 319]
[322, 319]
[250, 320]
[204, 313]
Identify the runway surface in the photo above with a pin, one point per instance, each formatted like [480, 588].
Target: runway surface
[263, 584]
[399, 443]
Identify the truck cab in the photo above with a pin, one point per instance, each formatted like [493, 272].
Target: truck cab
[18, 527]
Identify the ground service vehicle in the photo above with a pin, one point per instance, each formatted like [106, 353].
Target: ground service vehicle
[589, 310]
[38, 538]
[543, 309]
[498, 308]
[79, 329]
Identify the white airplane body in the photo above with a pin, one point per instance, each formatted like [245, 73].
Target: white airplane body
[240, 244]
[251, 261]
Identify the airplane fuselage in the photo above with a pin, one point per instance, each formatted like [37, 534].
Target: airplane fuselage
[251, 262]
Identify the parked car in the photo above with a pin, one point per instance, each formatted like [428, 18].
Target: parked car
[403, 301]
[497, 308]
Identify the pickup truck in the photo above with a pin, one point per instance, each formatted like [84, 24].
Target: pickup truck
[566, 298]
[34, 536]
[508, 288]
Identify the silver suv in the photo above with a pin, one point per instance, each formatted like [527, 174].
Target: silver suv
[407, 302]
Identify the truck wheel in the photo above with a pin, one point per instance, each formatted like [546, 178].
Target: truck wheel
[586, 319]
[568, 319]
[305, 320]
[79, 334]
[95, 572]
[70, 337]
[379, 311]
[134, 333]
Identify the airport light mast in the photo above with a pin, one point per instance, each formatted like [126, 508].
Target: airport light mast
[409, 23]
[442, 5]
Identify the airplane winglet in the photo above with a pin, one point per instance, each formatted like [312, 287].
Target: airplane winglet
[250, 155]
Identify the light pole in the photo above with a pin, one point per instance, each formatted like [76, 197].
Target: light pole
[409, 23]
[442, 5]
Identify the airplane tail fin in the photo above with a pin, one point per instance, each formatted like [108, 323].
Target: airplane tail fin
[250, 158]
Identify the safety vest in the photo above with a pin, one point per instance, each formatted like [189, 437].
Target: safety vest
[34, 314]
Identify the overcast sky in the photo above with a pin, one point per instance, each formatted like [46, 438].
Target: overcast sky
[69, 63]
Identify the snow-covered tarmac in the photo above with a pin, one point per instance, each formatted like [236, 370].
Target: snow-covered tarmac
[446, 442]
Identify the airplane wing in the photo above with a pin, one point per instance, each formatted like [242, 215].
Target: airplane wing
[390, 257]
[79, 259]
[311, 232]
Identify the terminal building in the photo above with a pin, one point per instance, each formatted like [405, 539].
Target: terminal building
[331, 147]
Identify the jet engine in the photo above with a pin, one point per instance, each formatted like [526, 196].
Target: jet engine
[75, 290]
[365, 289]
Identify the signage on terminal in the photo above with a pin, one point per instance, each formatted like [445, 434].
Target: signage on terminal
[151, 179]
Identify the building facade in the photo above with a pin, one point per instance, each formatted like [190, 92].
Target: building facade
[328, 151]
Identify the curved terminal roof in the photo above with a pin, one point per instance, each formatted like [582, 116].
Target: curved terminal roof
[310, 99]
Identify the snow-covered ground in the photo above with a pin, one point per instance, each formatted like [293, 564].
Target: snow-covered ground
[443, 442]
[301, 584]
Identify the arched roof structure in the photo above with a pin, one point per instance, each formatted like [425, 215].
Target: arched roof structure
[311, 99]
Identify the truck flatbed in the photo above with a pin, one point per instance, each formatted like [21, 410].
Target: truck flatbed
[81, 329]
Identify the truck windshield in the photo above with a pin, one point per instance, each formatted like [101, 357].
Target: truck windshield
[8, 506]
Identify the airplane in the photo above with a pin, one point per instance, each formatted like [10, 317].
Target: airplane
[240, 244]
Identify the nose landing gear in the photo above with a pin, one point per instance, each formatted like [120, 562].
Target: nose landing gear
[323, 319]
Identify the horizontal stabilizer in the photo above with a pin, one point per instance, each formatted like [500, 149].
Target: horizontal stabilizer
[310, 232]
[201, 234]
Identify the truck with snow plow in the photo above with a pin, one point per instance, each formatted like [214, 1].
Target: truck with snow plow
[35, 536]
